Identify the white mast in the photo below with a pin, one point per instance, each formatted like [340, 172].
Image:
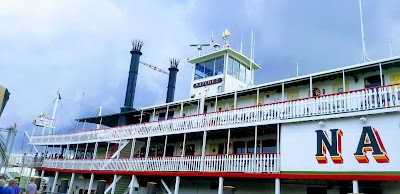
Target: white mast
[297, 69]
[100, 110]
[55, 109]
[391, 51]
[364, 56]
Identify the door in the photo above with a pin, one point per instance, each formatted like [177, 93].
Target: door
[63, 186]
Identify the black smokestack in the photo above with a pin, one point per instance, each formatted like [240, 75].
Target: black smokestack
[173, 70]
[133, 73]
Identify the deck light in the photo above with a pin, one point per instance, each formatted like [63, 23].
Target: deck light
[363, 119]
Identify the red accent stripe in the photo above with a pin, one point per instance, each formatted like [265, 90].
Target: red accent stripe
[375, 177]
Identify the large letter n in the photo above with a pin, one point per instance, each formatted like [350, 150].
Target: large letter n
[334, 147]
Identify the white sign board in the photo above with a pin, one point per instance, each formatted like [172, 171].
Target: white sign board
[45, 122]
[342, 145]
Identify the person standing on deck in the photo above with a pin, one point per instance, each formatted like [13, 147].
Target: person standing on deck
[2, 183]
[10, 188]
[17, 188]
[32, 187]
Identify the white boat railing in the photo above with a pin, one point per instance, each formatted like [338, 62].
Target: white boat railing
[359, 100]
[260, 162]
[21, 160]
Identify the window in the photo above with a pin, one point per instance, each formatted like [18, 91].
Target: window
[170, 114]
[199, 72]
[373, 81]
[160, 150]
[209, 68]
[242, 73]
[169, 151]
[269, 145]
[230, 66]
[152, 151]
[239, 147]
[250, 147]
[161, 116]
[239, 70]
[219, 66]
[236, 66]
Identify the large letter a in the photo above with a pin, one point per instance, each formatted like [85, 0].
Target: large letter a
[334, 148]
[371, 141]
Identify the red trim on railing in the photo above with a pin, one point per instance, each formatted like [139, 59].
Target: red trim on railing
[281, 102]
[338, 176]
[89, 159]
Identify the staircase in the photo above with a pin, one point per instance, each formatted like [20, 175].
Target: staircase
[126, 152]
[122, 185]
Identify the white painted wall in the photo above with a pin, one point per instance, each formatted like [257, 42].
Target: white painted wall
[299, 144]
[233, 84]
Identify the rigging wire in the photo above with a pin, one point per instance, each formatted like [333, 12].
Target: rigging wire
[67, 114]
[97, 108]
[79, 113]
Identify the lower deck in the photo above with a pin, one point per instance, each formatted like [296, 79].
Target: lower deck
[206, 185]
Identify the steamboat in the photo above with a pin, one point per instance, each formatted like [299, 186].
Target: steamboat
[327, 132]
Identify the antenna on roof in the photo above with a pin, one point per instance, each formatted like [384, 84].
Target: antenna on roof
[199, 48]
[297, 69]
[241, 44]
[364, 55]
[254, 45]
[251, 46]
[391, 51]
[212, 41]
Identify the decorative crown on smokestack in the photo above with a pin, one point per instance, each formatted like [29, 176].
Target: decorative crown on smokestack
[174, 62]
[137, 45]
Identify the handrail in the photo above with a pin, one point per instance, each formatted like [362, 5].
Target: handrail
[308, 106]
[260, 163]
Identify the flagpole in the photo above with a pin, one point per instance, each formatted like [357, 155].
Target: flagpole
[364, 56]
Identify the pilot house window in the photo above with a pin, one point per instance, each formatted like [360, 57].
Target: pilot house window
[239, 70]
[209, 68]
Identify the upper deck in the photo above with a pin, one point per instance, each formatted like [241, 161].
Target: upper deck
[353, 90]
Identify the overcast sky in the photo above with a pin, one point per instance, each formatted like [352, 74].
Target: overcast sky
[83, 46]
